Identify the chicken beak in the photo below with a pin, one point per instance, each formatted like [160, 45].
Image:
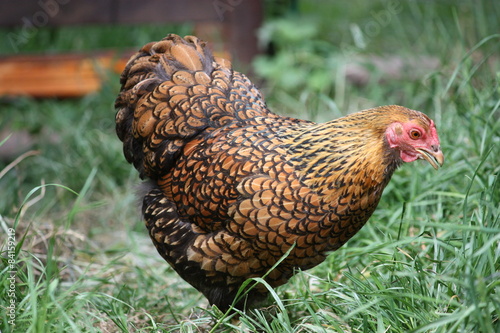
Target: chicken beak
[435, 158]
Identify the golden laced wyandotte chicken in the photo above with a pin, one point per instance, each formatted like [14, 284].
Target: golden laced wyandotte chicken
[234, 186]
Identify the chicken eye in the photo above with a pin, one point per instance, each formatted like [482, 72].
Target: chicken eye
[415, 134]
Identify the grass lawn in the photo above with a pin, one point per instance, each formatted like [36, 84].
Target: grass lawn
[427, 261]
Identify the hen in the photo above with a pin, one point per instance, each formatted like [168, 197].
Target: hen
[235, 187]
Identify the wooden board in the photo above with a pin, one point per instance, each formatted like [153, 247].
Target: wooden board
[55, 13]
[64, 75]
[238, 19]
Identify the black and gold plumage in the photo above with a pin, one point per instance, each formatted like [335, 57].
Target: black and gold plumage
[235, 186]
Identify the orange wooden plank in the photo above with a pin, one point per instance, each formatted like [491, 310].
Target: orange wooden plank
[64, 75]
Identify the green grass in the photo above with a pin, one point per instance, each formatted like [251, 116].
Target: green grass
[427, 261]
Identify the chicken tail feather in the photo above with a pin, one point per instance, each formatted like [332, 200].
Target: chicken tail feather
[172, 91]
